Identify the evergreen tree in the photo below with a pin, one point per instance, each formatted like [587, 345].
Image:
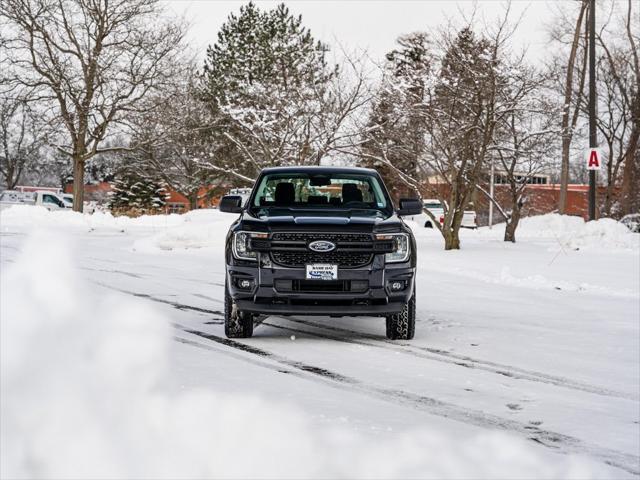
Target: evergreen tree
[397, 120]
[262, 48]
[266, 83]
[137, 194]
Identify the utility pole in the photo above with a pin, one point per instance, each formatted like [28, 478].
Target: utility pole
[593, 141]
[491, 193]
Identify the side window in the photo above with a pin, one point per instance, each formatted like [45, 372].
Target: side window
[52, 199]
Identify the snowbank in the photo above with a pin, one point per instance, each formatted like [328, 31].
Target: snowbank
[36, 216]
[574, 232]
[81, 397]
[200, 229]
[193, 230]
[564, 231]
[207, 229]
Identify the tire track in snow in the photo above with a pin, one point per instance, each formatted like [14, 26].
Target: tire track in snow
[558, 442]
[452, 358]
[177, 305]
[426, 353]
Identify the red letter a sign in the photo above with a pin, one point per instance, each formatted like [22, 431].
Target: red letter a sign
[593, 159]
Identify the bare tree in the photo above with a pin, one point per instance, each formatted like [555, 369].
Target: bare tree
[469, 99]
[630, 198]
[614, 121]
[179, 136]
[569, 120]
[462, 115]
[95, 60]
[524, 144]
[618, 119]
[176, 142]
[22, 135]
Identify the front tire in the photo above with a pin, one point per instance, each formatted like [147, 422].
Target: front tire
[237, 324]
[402, 325]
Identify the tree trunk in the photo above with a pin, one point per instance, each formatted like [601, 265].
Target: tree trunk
[608, 199]
[566, 128]
[630, 195]
[451, 239]
[451, 229]
[512, 224]
[10, 179]
[193, 200]
[78, 183]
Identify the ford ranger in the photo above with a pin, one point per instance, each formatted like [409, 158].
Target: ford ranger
[320, 241]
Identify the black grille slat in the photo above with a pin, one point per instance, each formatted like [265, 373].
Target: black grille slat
[300, 259]
[289, 249]
[311, 236]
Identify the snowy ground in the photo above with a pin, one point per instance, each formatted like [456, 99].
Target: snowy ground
[114, 363]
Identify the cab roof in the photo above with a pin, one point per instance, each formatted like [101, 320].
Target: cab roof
[319, 170]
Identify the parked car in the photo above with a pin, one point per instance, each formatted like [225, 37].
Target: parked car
[245, 193]
[45, 198]
[320, 241]
[36, 188]
[67, 198]
[632, 222]
[437, 209]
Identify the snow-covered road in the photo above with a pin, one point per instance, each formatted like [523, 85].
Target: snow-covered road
[538, 341]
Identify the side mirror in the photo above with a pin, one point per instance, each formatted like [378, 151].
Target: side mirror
[231, 204]
[410, 206]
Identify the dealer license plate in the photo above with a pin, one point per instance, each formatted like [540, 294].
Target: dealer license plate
[322, 271]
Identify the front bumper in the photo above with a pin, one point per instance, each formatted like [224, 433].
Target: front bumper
[372, 297]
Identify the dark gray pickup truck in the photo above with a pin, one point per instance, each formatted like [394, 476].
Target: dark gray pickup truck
[320, 241]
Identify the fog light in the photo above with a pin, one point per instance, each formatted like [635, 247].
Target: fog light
[397, 286]
[244, 283]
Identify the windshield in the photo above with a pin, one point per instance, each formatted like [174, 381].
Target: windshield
[345, 191]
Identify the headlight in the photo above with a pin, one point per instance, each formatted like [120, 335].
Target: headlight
[241, 249]
[401, 250]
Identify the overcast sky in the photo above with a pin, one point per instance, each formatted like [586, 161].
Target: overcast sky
[373, 25]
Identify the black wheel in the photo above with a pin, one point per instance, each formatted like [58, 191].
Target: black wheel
[427, 224]
[237, 324]
[402, 326]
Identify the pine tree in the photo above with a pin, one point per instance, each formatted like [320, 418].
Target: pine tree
[265, 81]
[134, 194]
[260, 48]
[397, 119]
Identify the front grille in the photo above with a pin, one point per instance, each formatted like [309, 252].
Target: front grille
[289, 249]
[307, 237]
[300, 259]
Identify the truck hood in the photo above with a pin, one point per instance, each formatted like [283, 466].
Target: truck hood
[305, 220]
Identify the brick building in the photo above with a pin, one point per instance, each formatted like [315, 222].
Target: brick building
[208, 196]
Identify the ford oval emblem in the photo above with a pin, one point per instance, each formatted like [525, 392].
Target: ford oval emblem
[322, 246]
